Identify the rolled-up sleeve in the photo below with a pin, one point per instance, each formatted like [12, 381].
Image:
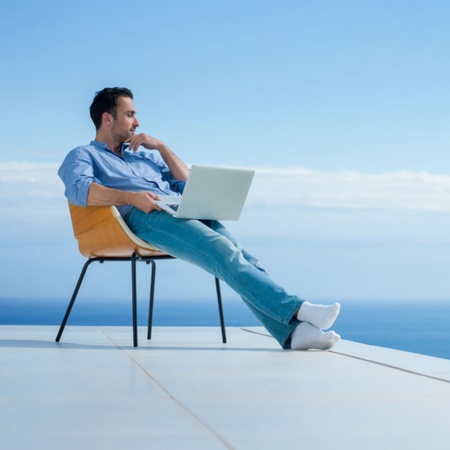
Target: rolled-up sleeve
[175, 185]
[77, 174]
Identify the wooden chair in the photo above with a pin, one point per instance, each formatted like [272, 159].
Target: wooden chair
[102, 236]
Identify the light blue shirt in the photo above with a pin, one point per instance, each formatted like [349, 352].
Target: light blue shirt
[134, 171]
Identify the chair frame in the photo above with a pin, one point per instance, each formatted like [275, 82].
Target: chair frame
[127, 247]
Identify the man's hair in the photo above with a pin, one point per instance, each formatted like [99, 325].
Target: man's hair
[106, 101]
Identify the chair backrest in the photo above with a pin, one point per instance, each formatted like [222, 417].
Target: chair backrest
[102, 232]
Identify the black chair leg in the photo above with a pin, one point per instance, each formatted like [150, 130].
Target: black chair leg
[134, 299]
[219, 302]
[152, 299]
[134, 259]
[74, 297]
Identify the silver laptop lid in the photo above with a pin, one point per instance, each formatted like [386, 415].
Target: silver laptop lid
[215, 193]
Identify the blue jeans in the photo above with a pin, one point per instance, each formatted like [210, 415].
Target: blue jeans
[209, 245]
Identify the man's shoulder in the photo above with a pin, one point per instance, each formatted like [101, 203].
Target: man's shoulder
[91, 147]
[87, 150]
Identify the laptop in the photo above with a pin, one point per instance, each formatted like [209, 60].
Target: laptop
[214, 193]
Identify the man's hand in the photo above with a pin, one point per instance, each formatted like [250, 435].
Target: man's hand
[100, 195]
[177, 167]
[145, 201]
[148, 142]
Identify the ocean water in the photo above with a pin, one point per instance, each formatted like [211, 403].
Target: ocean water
[414, 326]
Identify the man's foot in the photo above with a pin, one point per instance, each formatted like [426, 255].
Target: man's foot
[309, 337]
[321, 316]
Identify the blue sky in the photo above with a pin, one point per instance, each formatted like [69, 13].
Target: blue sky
[341, 106]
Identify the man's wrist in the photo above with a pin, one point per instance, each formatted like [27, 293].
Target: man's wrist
[128, 197]
[163, 148]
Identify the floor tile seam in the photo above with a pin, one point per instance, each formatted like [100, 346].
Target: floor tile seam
[172, 397]
[181, 404]
[390, 366]
[248, 330]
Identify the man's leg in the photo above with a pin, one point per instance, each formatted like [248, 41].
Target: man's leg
[196, 242]
[210, 246]
[271, 325]
[320, 317]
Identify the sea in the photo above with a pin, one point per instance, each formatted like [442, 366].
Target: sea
[414, 326]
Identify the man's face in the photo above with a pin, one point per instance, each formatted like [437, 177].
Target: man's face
[124, 123]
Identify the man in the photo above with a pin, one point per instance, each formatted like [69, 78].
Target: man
[113, 171]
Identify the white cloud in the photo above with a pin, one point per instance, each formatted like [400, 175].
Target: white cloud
[345, 223]
[30, 191]
[21, 180]
[29, 184]
[413, 191]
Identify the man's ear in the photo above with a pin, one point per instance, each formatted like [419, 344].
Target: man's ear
[107, 119]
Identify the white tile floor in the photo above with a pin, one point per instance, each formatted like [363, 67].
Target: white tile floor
[187, 390]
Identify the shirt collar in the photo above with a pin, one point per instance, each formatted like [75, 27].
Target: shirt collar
[102, 146]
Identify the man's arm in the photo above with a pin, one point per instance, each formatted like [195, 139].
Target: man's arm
[176, 166]
[99, 195]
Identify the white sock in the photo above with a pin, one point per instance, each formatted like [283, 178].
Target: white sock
[321, 316]
[308, 337]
